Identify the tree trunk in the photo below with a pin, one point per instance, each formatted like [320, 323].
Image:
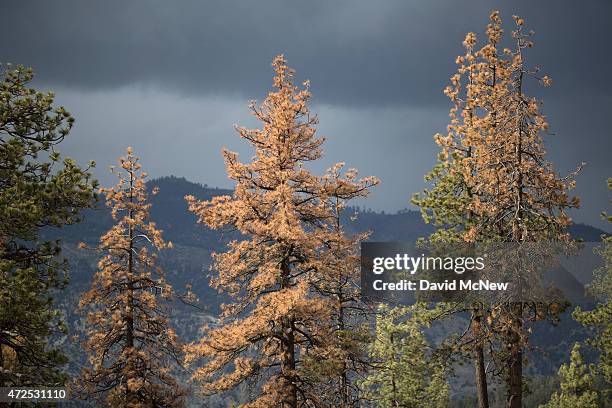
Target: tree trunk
[515, 365]
[129, 323]
[479, 369]
[129, 344]
[481, 378]
[289, 399]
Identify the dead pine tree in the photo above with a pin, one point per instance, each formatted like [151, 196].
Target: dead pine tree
[276, 318]
[131, 348]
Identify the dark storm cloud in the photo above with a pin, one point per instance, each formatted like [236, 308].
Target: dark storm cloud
[357, 52]
[178, 74]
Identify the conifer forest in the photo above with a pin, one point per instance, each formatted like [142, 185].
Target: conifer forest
[257, 267]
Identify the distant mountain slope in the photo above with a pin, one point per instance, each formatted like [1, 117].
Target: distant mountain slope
[169, 210]
[190, 260]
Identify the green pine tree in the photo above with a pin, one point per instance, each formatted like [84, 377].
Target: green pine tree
[576, 385]
[405, 374]
[599, 319]
[37, 190]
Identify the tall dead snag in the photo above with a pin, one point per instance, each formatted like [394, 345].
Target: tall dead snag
[277, 317]
[130, 345]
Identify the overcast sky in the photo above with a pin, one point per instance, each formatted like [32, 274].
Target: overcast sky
[171, 78]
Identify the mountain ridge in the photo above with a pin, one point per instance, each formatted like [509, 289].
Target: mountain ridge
[169, 210]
